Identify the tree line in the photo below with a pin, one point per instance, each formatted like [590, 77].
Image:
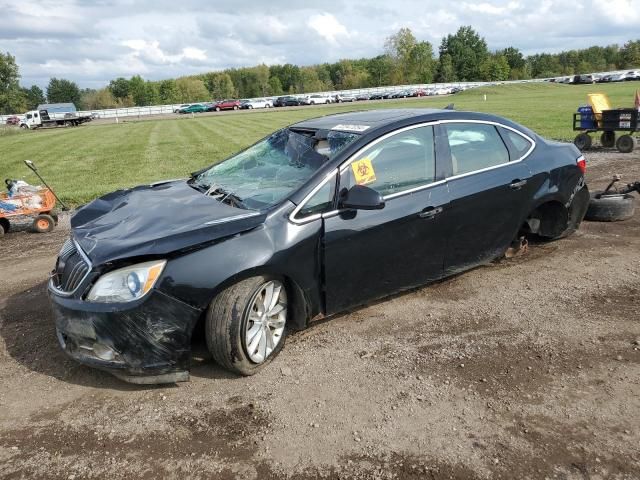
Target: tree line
[463, 56]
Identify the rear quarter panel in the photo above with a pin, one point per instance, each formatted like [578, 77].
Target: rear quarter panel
[555, 175]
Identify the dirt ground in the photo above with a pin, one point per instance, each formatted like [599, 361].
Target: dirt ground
[525, 368]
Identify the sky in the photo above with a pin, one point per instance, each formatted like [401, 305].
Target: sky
[94, 41]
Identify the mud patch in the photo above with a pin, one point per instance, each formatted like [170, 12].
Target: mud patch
[155, 435]
[387, 467]
[620, 303]
[559, 451]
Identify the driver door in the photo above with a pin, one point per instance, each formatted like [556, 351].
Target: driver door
[368, 254]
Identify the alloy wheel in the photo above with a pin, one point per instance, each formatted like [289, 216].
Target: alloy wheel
[267, 317]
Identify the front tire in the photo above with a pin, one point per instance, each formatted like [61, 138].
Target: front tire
[246, 324]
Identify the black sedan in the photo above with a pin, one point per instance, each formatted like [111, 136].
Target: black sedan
[316, 218]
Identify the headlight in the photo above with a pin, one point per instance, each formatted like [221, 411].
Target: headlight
[126, 284]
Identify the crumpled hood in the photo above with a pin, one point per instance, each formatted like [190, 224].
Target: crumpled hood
[155, 220]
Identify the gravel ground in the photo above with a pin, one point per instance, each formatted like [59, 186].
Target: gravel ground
[525, 368]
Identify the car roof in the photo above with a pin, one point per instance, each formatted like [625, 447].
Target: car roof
[368, 118]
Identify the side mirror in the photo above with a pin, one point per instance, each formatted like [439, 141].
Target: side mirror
[360, 197]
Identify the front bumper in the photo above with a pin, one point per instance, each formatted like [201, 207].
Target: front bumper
[145, 341]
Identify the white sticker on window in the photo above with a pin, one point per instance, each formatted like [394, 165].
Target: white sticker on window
[351, 128]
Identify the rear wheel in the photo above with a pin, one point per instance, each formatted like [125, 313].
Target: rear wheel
[235, 107]
[217, 109]
[43, 223]
[246, 324]
[625, 144]
[608, 139]
[582, 141]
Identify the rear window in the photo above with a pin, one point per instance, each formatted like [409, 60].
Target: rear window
[519, 143]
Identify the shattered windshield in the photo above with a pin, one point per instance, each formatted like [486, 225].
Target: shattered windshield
[267, 172]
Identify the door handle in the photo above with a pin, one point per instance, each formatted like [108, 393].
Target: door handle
[430, 212]
[517, 184]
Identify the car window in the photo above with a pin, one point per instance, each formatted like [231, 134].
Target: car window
[398, 163]
[475, 146]
[321, 201]
[520, 144]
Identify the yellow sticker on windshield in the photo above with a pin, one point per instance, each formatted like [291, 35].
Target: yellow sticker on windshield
[363, 171]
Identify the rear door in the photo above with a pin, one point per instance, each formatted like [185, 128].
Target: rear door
[489, 190]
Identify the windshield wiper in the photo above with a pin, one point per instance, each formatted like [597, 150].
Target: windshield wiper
[219, 193]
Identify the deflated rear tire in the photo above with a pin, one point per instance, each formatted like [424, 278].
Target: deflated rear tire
[246, 324]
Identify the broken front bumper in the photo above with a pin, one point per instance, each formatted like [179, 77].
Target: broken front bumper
[144, 341]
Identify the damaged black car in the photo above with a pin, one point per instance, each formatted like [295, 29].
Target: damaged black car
[319, 217]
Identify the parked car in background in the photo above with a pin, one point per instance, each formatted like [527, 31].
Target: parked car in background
[632, 75]
[584, 79]
[315, 99]
[226, 105]
[378, 96]
[315, 219]
[363, 96]
[256, 103]
[194, 108]
[344, 97]
[13, 120]
[279, 102]
[290, 101]
[177, 109]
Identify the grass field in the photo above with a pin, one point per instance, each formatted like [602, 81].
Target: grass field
[82, 163]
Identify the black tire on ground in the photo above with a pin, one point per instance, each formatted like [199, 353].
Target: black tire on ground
[43, 223]
[610, 208]
[625, 144]
[582, 141]
[217, 109]
[226, 321]
[235, 107]
[608, 139]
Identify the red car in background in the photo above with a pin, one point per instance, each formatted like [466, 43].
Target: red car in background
[225, 105]
[13, 120]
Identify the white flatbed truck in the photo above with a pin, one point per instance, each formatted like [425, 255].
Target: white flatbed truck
[41, 119]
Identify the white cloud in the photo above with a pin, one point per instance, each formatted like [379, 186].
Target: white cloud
[150, 51]
[328, 27]
[619, 12]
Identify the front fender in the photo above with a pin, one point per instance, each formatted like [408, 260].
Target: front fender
[277, 248]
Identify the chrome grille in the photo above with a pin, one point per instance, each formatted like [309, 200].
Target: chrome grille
[71, 268]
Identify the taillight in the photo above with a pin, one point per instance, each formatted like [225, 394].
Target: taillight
[582, 163]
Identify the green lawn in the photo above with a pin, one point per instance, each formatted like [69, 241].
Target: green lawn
[82, 163]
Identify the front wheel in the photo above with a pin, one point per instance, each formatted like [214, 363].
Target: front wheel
[246, 324]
